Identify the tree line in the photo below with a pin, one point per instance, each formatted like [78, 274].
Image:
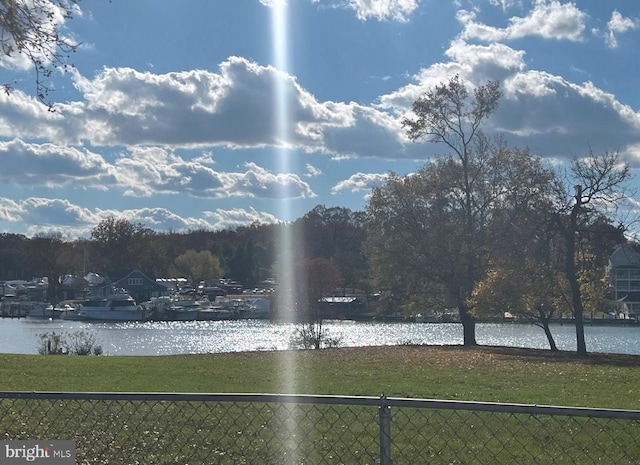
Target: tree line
[328, 239]
[486, 227]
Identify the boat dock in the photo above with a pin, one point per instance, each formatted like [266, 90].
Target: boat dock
[21, 308]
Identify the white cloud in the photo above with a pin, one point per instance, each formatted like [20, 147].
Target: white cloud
[548, 19]
[370, 133]
[44, 215]
[230, 219]
[505, 4]
[200, 109]
[260, 183]
[480, 63]
[53, 166]
[22, 116]
[550, 114]
[234, 108]
[9, 210]
[312, 171]
[398, 10]
[153, 119]
[271, 3]
[619, 24]
[381, 10]
[554, 116]
[360, 182]
[142, 171]
[206, 158]
[47, 215]
[159, 219]
[54, 212]
[152, 170]
[475, 64]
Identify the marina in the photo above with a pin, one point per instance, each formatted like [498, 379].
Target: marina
[121, 307]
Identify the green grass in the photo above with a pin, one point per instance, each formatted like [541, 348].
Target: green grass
[197, 432]
[482, 374]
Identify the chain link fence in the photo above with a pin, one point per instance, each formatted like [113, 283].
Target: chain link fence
[165, 428]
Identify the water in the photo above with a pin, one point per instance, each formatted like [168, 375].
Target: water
[20, 336]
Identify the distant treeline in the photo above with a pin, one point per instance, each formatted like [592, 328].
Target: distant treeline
[247, 255]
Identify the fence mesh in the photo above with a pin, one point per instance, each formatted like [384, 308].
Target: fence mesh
[255, 429]
[471, 437]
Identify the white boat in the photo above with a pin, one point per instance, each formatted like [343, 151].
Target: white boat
[185, 308]
[177, 313]
[116, 307]
[44, 311]
[215, 313]
[246, 308]
[258, 308]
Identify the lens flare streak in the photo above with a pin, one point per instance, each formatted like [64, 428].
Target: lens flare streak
[287, 284]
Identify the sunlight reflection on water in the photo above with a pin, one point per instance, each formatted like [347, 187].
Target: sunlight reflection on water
[165, 338]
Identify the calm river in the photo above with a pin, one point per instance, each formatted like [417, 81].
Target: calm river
[20, 336]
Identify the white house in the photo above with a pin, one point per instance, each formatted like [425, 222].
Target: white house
[624, 276]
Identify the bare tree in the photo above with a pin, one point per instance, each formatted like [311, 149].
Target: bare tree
[31, 29]
[322, 277]
[598, 191]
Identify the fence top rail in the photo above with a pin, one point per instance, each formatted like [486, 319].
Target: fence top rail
[382, 401]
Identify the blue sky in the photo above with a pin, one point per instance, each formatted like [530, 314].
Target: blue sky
[197, 114]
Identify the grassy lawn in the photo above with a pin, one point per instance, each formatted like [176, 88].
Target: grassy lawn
[480, 374]
[230, 433]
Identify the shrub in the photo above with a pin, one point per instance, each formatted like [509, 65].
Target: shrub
[52, 344]
[81, 343]
[76, 343]
[313, 336]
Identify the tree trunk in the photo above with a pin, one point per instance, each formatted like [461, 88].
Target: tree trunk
[547, 331]
[468, 326]
[543, 322]
[572, 277]
[580, 340]
[576, 298]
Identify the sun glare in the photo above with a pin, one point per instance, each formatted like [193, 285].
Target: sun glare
[281, 116]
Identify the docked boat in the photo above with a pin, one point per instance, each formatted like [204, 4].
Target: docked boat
[185, 308]
[215, 313]
[116, 307]
[258, 308]
[177, 313]
[246, 308]
[193, 308]
[45, 311]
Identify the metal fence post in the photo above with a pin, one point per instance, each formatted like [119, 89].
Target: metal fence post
[384, 417]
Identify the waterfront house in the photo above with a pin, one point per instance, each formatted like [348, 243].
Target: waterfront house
[141, 286]
[75, 288]
[624, 277]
